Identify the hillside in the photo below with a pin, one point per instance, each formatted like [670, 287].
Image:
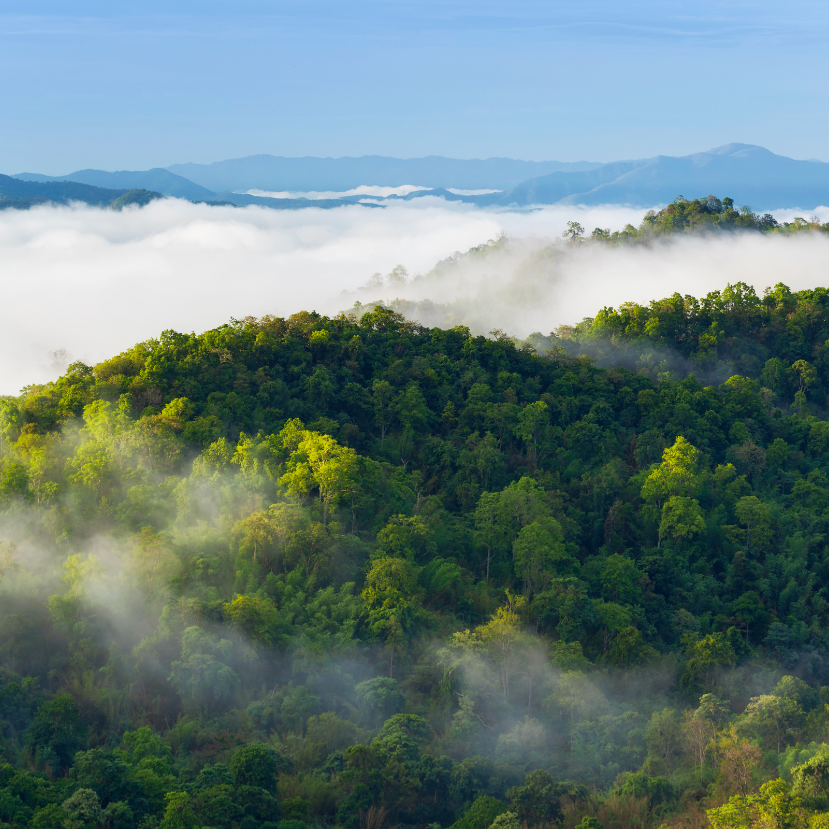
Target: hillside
[17, 194]
[323, 571]
[157, 180]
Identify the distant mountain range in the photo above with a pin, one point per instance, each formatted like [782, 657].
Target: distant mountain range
[22, 194]
[269, 172]
[751, 175]
[158, 179]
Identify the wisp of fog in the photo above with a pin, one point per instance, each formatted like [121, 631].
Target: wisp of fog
[83, 283]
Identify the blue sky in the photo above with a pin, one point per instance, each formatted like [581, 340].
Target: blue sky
[121, 85]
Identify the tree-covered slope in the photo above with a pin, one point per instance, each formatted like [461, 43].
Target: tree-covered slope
[359, 572]
[18, 194]
[156, 180]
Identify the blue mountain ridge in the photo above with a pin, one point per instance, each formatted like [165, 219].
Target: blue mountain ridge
[277, 173]
[748, 173]
[158, 179]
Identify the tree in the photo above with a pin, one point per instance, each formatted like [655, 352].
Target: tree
[698, 732]
[503, 638]
[774, 717]
[178, 813]
[522, 502]
[105, 774]
[748, 611]
[392, 602]
[737, 760]
[756, 517]
[704, 657]
[530, 427]
[320, 462]
[380, 697]
[83, 810]
[621, 579]
[254, 765]
[383, 394]
[506, 820]
[536, 802]
[574, 231]
[577, 696]
[201, 676]
[662, 735]
[806, 374]
[481, 814]
[775, 806]
[628, 647]
[681, 518]
[566, 608]
[404, 537]
[613, 618]
[656, 790]
[489, 528]
[256, 617]
[539, 553]
[402, 735]
[675, 476]
[56, 731]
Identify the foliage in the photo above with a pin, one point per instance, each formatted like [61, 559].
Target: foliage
[364, 573]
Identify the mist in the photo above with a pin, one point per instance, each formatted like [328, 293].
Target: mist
[530, 284]
[83, 284]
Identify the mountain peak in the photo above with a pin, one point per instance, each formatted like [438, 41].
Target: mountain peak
[737, 149]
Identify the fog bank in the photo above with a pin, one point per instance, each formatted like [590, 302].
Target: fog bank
[93, 282]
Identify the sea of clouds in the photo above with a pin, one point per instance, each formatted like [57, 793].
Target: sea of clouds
[92, 282]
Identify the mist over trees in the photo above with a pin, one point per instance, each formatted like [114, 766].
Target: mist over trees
[509, 280]
[359, 572]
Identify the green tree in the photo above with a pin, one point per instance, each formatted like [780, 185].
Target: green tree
[490, 528]
[530, 428]
[56, 731]
[663, 736]
[574, 231]
[756, 517]
[773, 717]
[254, 765]
[83, 810]
[504, 640]
[536, 802]
[178, 813]
[621, 579]
[675, 476]
[392, 602]
[320, 463]
[805, 373]
[380, 697]
[480, 815]
[705, 657]
[383, 395]
[539, 553]
[681, 518]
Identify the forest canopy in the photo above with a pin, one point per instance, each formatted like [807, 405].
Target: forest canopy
[359, 572]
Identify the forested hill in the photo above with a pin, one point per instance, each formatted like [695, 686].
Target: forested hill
[22, 195]
[362, 573]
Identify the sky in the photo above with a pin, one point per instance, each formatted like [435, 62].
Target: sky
[115, 85]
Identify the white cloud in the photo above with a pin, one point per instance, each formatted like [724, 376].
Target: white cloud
[93, 282]
[362, 190]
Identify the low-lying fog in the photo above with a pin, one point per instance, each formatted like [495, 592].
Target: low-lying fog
[82, 283]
